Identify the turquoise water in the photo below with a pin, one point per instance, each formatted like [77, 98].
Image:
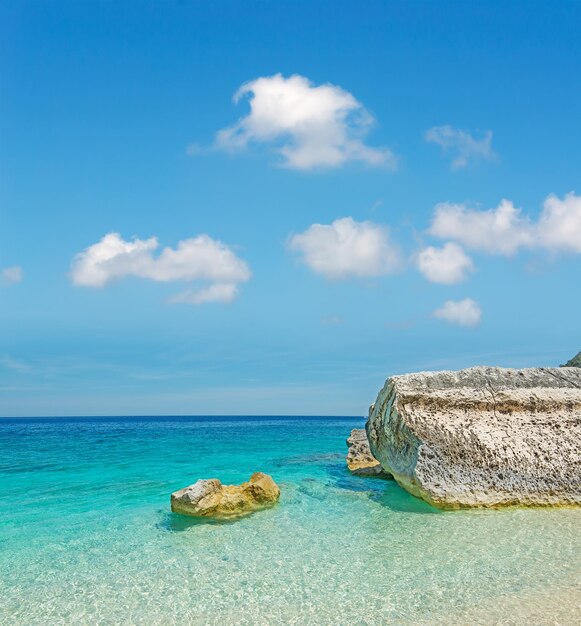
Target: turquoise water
[87, 537]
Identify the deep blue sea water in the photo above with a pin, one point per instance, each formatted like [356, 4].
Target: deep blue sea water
[87, 535]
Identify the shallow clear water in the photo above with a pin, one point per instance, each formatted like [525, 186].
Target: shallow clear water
[87, 537]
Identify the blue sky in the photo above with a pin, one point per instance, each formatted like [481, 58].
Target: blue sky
[413, 120]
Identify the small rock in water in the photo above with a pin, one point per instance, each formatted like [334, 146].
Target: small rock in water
[210, 498]
[360, 461]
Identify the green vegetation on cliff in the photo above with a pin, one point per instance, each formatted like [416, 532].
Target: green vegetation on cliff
[574, 362]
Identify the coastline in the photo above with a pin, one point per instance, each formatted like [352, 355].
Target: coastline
[93, 539]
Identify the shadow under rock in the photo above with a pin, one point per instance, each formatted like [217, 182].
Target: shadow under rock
[309, 459]
[344, 479]
[384, 491]
[399, 500]
[174, 522]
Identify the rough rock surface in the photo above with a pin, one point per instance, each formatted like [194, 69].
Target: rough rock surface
[360, 461]
[484, 436]
[210, 498]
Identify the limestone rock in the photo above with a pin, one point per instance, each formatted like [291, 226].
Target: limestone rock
[210, 498]
[484, 436]
[360, 461]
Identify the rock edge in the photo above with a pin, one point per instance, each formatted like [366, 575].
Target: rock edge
[360, 461]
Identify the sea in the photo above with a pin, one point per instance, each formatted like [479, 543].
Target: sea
[87, 535]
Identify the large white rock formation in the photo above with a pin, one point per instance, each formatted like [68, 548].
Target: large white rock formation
[484, 436]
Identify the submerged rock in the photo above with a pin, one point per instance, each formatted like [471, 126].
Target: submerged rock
[360, 461]
[210, 498]
[484, 436]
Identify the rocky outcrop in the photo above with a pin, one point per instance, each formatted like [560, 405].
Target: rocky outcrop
[484, 436]
[360, 461]
[574, 362]
[210, 498]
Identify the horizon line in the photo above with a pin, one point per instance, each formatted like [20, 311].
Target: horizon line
[178, 415]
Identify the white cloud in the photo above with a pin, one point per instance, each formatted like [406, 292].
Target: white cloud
[112, 258]
[331, 320]
[12, 275]
[462, 312]
[559, 227]
[218, 292]
[505, 230]
[309, 126]
[200, 258]
[461, 144]
[447, 265]
[498, 231]
[10, 363]
[347, 248]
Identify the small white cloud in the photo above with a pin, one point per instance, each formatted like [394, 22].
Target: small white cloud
[347, 248]
[309, 126]
[331, 320]
[195, 149]
[113, 258]
[461, 144]
[559, 227]
[405, 324]
[218, 292]
[462, 312]
[10, 363]
[200, 258]
[505, 230]
[497, 231]
[447, 265]
[12, 275]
